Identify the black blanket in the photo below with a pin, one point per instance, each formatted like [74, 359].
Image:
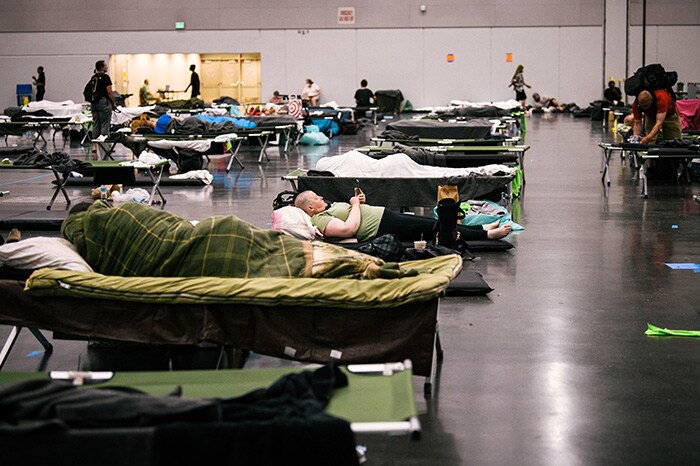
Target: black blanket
[283, 424]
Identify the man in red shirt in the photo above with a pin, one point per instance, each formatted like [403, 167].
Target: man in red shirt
[661, 116]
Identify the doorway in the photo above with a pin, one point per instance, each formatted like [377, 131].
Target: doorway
[234, 75]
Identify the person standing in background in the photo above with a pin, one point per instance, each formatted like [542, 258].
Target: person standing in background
[40, 83]
[102, 100]
[519, 84]
[194, 83]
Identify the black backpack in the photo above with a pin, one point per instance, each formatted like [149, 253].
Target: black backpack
[90, 92]
[651, 78]
[283, 199]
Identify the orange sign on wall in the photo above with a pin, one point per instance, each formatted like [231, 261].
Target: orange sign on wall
[450, 57]
[509, 57]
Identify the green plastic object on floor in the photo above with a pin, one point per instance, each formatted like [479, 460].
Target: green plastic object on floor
[517, 183]
[654, 331]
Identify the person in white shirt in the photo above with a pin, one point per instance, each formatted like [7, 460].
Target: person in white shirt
[311, 92]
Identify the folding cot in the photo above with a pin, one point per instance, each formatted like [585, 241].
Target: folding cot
[345, 321]
[396, 193]
[202, 143]
[378, 399]
[658, 153]
[641, 154]
[471, 129]
[34, 125]
[493, 141]
[106, 172]
[622, 148]
[468, 156]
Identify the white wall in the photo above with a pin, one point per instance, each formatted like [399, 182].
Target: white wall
[675, 47]
[413, 60]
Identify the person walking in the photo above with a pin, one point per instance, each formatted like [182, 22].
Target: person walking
[518, 83]
[194, 83]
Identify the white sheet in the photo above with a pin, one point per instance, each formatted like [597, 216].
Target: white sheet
[67, 108]
[197, 145]
[356, 164]
[505, 105]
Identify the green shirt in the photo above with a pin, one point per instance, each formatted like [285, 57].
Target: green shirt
[369, 223]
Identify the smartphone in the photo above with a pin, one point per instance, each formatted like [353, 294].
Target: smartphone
[358, 191]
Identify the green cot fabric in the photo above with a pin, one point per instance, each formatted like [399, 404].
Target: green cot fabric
[136, 240]
[369, 225]
[433, 276]
[654, 331]
[517, 183]
[367, 398]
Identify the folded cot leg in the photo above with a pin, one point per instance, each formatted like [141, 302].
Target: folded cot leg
[606, 163]
[438, 355]
[287, 133]
[60, 187]
[39, 136]
[234, 156]
[643, 178]
[263, 142]
[12, 339]
[156, 185]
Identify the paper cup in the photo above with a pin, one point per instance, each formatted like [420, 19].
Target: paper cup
[419, 244]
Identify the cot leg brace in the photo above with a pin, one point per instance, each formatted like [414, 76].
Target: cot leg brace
[606, 162]
[643, 178]
[60, 187]
[264, 138]
[87, 127]
[286, 132]
[437, 359]
[234, 156]
[39, 136]
[156, 184]
[12, 338]
[108, 147]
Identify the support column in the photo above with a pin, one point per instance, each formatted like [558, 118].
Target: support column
[615, 42]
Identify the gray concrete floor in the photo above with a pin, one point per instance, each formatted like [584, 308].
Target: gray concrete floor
[552, 367]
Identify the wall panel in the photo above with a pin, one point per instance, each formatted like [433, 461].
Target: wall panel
[565, 62]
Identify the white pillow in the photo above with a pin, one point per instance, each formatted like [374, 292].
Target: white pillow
[38, 252]
[295, 222]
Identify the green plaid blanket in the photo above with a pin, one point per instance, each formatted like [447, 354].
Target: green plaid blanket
[133, 239]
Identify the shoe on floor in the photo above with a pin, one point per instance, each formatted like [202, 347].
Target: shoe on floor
[14, 236]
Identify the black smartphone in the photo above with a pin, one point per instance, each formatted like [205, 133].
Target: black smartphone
[358, 191]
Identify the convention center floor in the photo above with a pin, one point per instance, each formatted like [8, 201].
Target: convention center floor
[552, 367]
